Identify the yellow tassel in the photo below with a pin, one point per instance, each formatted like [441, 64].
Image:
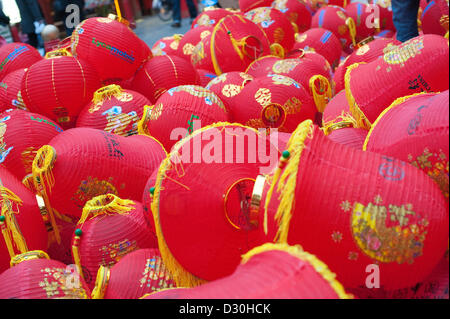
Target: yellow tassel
[107, 92]
[277, 50]
[322, 95]
[6, 236]
[76, 251]
[105, 205]
[352, 27]
[297, 252]
[397, 102]
[44, 180]
[101, 283]
[143, 122]
[285, 179]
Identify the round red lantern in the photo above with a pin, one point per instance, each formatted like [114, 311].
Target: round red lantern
[14, 56]
[262, 66]
[434, 17]
[114, 110]
[210, 17]
[138, 273]
[298, 12]
[167, 45]
[364, 16]
[385, 34]
[21, 134]
[201, 201]
[179, 112]
[110, 46]
[278, 28]
[273, 271]
[247, 5]
[344, 133]
[10, 90]
[321, 41]
[338, 81]
[386, 15]
[417, 65]
[334, 19]
[21, 224]
[205, 77]
[109, 229]
[33, 275]
[162, 73]
[59, 86]
[415, 129]
[147, 199]
[388, 213]
[233, 45]
[190, 40]
[336, 110]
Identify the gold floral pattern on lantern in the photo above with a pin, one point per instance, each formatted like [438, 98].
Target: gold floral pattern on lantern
[231, 90]
[279, 35]
[55, 285]
[28, 156]
[155, 275]
[188, 48]
[404, 52]
[363, 50]
[263, 96]
[156, 111]
[204, 34]
[285, 66]
[336, 236]
[92, 187]
[198, 53]
[341, 15]
[113, 252]
[292, 106]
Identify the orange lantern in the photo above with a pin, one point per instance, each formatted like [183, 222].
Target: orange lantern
[368, 209]
[15, 56]
[434, 17]
[190, 40]
[138, 273]
[109, 229]
[162, 73]
[247, 5]
[233, 45]
[415, 129]
[297, 11]
[417, 65]
[110, 46]
[114, 110]
[10, 90]
[210, 17]
[202, 199]
[33, 275]
[272, 271]
[59, 86]
[322, 41]
[278, 28]
[205, 77]
[179, 112]
[167, 45]
[21, 224]
[334, 19]
[21, 134]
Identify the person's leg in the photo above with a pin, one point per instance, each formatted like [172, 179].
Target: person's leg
[33, 39]
[405, 18]
[192, 8]
[176, 12]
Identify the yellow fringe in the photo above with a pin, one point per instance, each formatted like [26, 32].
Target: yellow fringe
[343, 120]
[359, 116]
[27, 181]
[43, 178]
[101, 283]
[397, 102]
[285, 179]
[108, 204]
[320, 99]
[180, 275]
[29, 255]
[298, 252]
[107, 92]
[143, 122]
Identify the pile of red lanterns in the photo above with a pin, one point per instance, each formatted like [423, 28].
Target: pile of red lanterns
[274, 151]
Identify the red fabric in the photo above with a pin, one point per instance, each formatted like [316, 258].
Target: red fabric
[178, 108]
[10, 90]
[210, 17]
[126, 164]
[28, 219]
[431, 15]
[405, 205]
[247, 5]
[14, 56]
[59, 88]
[118, 114]
[108, 237]
[22, 133]
[163, 73]
[191, 39]
[138, 273]
[296, 11]
[275, 24]
[112, 48]
[41, 279]
[321, 41]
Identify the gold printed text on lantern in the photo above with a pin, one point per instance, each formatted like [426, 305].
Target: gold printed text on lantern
[112, 253]
[55, 282]
[91, 188]
[155, 275]
[404, 52]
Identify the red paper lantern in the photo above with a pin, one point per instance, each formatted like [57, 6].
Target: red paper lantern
[167, 45]
[114, 110]
[15, 56]
[201, 199]
[247, 5]
[274, 101]
[10, 91]
[179, 112]
[162, 73]
[365, 18]
[368, 209]
[111, 47]
[336, 110]
[21, 224]
[34, 275]
[147, 199]
[190, 40]
[262, 66]
[210, 17]
[321, 41]
[21, 134]
[138, 273]
[67, 184]
[109, 229]
[205, 77]
[345, 134]
[415, 129]
[272, 271]
[385, 34]
[420, 64]
[334, 19]
[59, 87]
[338, 81]
[297, 11]
[386, 15]
[233, 45]
[66, 226]
[278, 28]
[434, 17]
